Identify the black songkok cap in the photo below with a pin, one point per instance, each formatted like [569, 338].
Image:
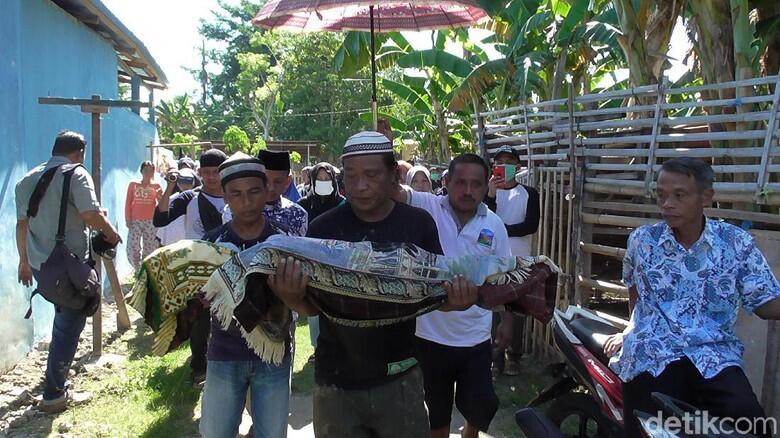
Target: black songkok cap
[212, 158]
[275, 160]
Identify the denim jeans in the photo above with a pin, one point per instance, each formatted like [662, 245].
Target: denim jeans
[65, 333]
[226, 388]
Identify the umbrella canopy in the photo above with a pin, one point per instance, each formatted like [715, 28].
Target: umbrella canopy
[371, 16]
[389, 15]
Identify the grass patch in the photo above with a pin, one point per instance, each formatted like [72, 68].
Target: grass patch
[303, 370]
[148, 396]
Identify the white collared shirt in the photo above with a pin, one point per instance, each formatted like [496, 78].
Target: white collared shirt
[484, 234]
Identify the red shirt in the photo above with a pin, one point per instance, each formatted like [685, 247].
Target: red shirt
[141, 201]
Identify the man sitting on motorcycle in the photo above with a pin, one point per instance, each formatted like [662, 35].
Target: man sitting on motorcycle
[687, 277]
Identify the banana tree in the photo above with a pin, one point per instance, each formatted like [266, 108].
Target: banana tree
[176, 116]
[438, 74]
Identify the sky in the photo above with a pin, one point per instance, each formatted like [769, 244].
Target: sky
[169, 29]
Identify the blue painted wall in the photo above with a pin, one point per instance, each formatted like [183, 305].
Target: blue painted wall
[46, 52]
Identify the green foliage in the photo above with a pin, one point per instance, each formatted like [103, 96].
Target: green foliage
[235, 140]
[280, 85]
[177, 116]
[295, 157]
[259, 145]
[180, 138]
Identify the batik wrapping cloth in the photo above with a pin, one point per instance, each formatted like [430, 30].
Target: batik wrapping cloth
[366, 284]
[168, 279]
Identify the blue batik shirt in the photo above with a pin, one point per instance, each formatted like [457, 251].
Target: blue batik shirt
[292, 217]
[289, 214]
[689, 299]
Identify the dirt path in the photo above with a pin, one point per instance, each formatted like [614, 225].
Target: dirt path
[21, 389]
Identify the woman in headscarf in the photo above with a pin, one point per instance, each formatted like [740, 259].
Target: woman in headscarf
[323, 193]
[419, 179]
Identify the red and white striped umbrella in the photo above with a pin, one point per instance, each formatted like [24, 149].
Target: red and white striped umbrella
[389, 15]
[370, 16]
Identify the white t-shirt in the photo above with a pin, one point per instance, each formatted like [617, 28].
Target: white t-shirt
[173, 232]
[484, 234]
[511, 207]
[193, 226]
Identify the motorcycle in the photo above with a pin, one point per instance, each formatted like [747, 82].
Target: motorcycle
[536, 425]
[588, 393]
[588, 396]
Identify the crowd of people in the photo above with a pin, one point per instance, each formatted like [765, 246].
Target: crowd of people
[403, 379]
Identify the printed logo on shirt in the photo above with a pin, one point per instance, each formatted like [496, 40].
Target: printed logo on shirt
[485, 237]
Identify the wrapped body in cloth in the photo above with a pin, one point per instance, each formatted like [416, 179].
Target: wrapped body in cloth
[361, 284]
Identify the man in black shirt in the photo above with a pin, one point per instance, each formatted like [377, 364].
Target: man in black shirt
[368, 383]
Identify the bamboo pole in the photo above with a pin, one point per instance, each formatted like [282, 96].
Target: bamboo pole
[528, 140]
[718, 186]
[722, 213]
[610, 251]
[725, 168]
[724, 85]
[680, 152]
[570, 233]
[674, 138]
[654, 140]
[767, 199]
[618, 221]
[619, 94]
[603, 286]
[718, 102]
[770, 134]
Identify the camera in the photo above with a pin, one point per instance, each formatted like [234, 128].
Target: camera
[172, 177]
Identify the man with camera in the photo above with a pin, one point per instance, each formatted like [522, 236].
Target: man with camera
[201, 209]
[518, 206]
[39, 207]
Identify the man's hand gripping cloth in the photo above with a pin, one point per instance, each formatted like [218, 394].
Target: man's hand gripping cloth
[168, 279]
[366, 284]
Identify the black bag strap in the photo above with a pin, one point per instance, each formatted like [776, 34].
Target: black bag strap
[64, 204]
[39, 191]
[209, 215]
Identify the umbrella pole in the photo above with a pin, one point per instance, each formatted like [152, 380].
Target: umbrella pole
[373, 71]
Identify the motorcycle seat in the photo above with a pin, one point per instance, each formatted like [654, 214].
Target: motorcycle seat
[593, 335]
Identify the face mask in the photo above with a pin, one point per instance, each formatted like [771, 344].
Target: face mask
[323, 188]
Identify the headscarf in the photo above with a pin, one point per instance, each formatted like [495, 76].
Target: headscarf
[414, 170]
[315, 204]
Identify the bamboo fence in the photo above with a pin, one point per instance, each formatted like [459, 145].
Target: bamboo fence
[594, 159]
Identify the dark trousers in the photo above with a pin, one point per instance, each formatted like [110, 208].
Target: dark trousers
[65, 334]
[728, 394]
[199, 340]
[68, 325]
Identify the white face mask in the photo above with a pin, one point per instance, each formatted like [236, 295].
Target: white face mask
[323, 188]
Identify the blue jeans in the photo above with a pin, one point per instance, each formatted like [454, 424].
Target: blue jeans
[314, 329]
[225, 392]
[65, 333]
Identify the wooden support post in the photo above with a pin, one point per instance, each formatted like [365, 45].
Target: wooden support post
[481, 137]
[152, 114]
[97, 319]
[654, 140]
[528, 143]
[770, 134]
[135, 91]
